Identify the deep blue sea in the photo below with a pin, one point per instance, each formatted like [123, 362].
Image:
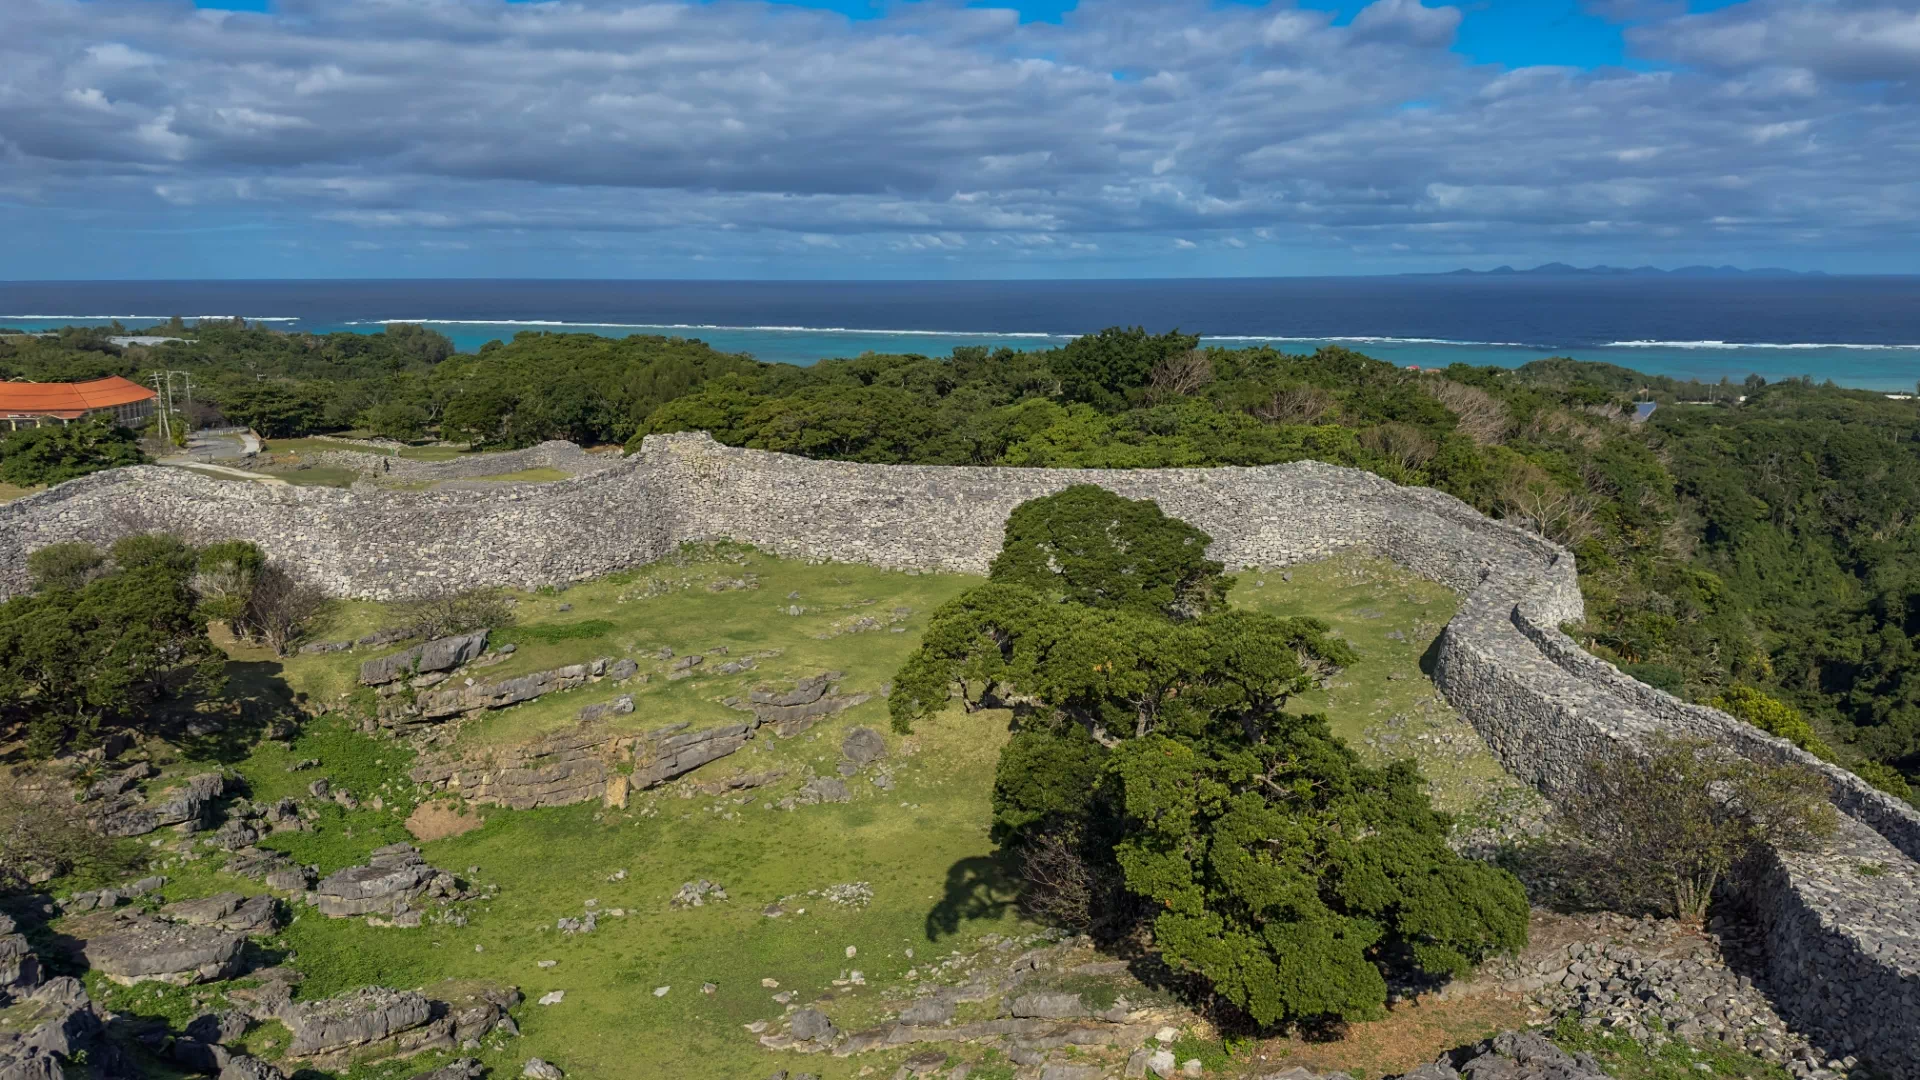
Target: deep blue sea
[1857, 331]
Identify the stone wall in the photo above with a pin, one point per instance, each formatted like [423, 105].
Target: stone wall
[1843, 926]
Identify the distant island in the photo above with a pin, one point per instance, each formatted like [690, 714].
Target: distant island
[1557, 269]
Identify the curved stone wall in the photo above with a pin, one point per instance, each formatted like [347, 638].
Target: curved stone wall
[1843, 927]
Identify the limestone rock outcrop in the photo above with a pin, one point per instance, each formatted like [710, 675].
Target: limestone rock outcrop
[368, 1015]
[440, 654]
[133, 948]
[392, 884]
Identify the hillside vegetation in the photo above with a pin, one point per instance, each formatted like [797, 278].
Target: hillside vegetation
[1765, 543]
[935, 897]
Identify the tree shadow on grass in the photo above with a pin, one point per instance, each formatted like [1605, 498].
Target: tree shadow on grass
[256, 704]
[978, 887]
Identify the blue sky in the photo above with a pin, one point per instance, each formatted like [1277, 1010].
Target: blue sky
[946, 138]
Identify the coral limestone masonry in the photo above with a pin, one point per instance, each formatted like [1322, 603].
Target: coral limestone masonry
[1844, 946]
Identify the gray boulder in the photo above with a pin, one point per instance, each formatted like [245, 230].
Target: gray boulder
[141, 948]
[812, 1025]
[292, 878]
[440, 704]
[357, 1018]
[620, 706]
[440, 654]
[863, 746]
[218, 1027]
[537, 1069]
[465, 1068]
[19, 968]
[1512, 1055]
[201, 1057]
[393, 876]
[927, 1012]
[623, 669]
[242, 1067]
[227, 910]
[825, 789]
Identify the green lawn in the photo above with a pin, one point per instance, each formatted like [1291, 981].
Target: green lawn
[922, 847]
[537, 475]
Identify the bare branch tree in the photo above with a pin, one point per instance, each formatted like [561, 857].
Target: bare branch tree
[462, 612]
[1660, 831]
[1536, 501]
[1402, 444]
[1482, 417]
[1296, 405]
[281, 607]
[1178, 376]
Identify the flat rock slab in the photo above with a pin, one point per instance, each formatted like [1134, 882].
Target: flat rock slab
[228, 911]
[393, 875]
[440, 654]
[440, 704]
[141, 948]
[367, 1015]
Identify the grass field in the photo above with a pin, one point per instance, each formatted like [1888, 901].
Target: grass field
[8, 492]
[415, 453]
[538, 474]
[922, 847]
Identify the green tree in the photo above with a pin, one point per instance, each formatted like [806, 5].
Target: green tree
[54, 453]
[403, 420]
[1104, 368]
[274, 410]
[71, 659]
[1156, 774]
[67, 565]
[224, 578]
[1089, 546]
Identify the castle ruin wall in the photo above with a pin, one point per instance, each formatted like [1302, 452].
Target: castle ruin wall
[1842, 926]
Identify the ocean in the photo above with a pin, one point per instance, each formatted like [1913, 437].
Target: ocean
[1857, 331]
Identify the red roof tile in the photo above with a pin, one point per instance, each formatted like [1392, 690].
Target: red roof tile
[70, 401]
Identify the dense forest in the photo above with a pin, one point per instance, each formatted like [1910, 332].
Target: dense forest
[1741, 538]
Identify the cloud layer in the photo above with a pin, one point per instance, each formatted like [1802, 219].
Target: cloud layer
[619, 136]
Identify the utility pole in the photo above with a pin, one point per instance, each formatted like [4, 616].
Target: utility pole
[162, 385]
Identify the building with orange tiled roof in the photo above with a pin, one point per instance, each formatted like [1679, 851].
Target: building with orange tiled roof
[27, 404]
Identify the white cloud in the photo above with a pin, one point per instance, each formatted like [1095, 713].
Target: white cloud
[958, 133]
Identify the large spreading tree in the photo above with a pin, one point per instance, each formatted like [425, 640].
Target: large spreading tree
[1157, 779]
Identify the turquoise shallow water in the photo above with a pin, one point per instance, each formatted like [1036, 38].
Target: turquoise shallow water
[1891, 368]
[1858, 331]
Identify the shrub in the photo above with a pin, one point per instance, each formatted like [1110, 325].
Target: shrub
[1887, 779]
[461, 612]
[154, 549]
[281, 607]
[1660, 832]
[224, 578]
[65, 566]
[41, 837]
[1774, 717]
